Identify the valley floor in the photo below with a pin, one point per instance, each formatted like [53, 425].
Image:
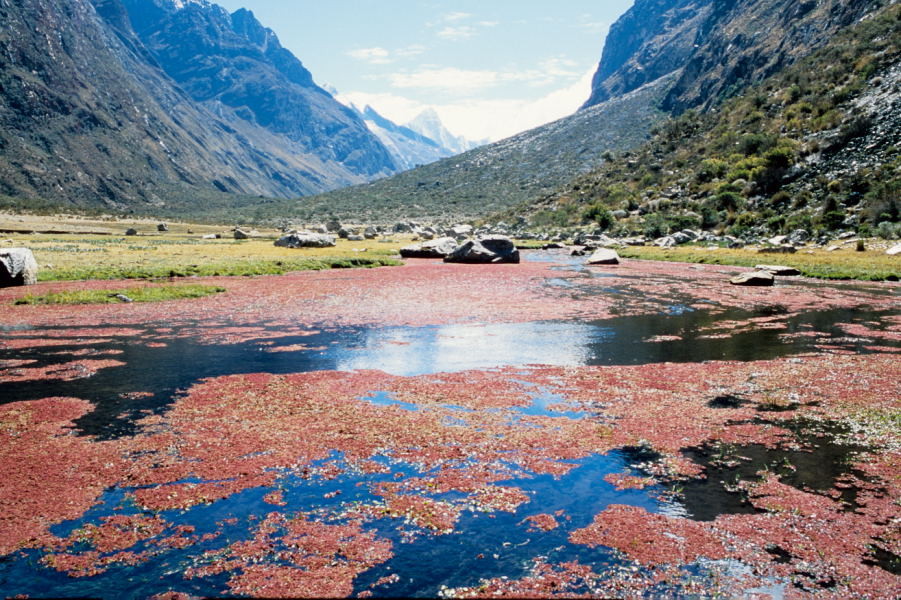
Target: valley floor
[537, 429]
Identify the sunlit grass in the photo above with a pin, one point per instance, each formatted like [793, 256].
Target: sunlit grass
[79, 257]
[871, 265]
[136, 294]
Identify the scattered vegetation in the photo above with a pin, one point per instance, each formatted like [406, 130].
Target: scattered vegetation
[137, 294]
[785, 155]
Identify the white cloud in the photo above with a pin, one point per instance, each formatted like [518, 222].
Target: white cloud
[381, 56]
[454, 34]
[448, 79]
[375, 56]
[481, 119]
[467, 81]
[455, 16]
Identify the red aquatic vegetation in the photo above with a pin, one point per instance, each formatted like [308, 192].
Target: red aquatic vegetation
[543, 522]
[36, 492]
[315, 559]
[70, 371]
[650, 538]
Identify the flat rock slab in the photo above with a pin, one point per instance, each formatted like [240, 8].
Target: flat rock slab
[17, 267]
[779, 270]
[894, 250]
[604, 256]
[754, 278]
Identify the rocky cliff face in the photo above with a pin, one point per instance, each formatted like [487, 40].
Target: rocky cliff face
[88, 118]
[232, 60]
[652, 39]
[718, 46]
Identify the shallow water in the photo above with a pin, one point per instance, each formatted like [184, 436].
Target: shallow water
[483, 545]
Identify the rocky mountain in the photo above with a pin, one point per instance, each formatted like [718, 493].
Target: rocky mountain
[811, 151]
[89, 118]
[718, 46]
[408, 148]
[231, 60]
[429, 124]
[652, 39]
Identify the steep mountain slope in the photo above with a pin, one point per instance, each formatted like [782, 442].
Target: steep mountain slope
[652, 39]
[493, 177]
[408, 148]
[232, 60]
[745, 41]
[720, 46]
[88, 119]
[815, 147]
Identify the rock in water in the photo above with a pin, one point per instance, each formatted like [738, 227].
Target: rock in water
[779, 270]
[307, 239]
[604, 256]
[754, 278]
[440, 248]
[17, 267]
[491, 249]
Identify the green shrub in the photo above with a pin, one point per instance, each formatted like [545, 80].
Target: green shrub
[599, 214]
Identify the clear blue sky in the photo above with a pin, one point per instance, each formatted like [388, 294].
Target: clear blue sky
[490, 67]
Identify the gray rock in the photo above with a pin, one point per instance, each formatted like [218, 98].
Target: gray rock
[681, 237]
[459, 231]
[162, 228]
[894, 250]
[333, 226]
[620, 214]
[240, 234]
[131, 231]
[17, 267]
[754, 278]
[370, 233]
[665, 242]
[440, 248]
[320, 229]
[491, 249]
[604, 256]
[778, 240]
[579, 251]
[778, 250]
[799, 236]
[355, 237]
[778, 270]
[306, 239]
[402, 228]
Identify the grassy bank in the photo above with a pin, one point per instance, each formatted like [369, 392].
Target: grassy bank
[80, 249]
[846, 263]
[158, 293]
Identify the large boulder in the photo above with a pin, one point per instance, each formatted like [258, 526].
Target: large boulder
[894, 250]
[162, 228]
[604, 256]
[17, 267]
[440, 248]
[754, 278]
[240, 234]
[306, 239]
[490, 249]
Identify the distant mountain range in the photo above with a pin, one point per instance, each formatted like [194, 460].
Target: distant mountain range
[178, 107]
[420, 142]
[165, 105]
[661, 58]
